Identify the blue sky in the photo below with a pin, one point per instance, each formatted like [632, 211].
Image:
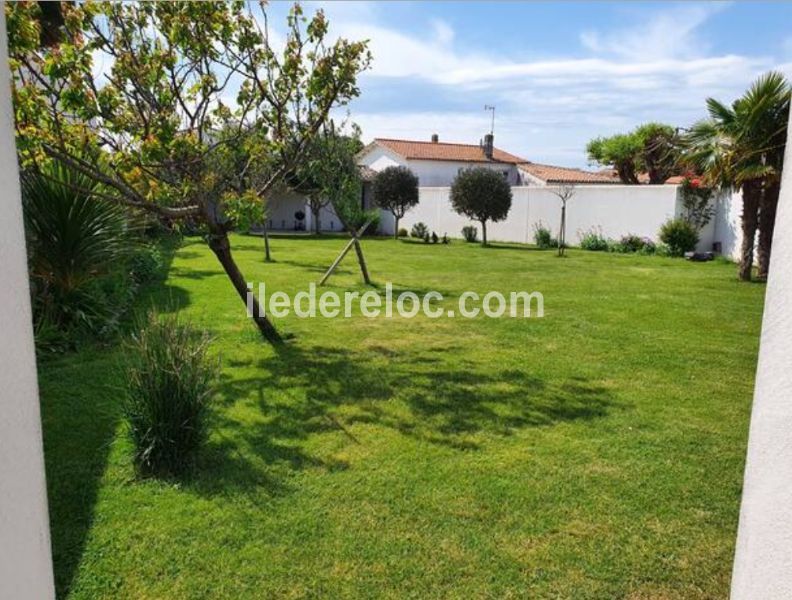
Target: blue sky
[558, 73]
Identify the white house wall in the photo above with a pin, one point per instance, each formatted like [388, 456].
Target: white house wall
[281, 208]
[379, 158]
[434, 173]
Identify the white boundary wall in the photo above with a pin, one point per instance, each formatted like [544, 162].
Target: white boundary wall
[615, 210]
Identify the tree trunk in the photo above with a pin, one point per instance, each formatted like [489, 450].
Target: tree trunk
[483, 233]
[767, 215]
[362, 261]
[396, 228]
[562, 231]
[315, 212]
[267, 255]
[751, 197]
[221, 247]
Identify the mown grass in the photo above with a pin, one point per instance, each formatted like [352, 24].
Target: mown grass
[595, 453]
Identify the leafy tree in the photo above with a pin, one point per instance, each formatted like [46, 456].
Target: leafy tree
[652, 148]
[741, 147]
[396, 190]
[660, 149]
[483, 195]
[180, 72]
[619, 151]
[328, 169]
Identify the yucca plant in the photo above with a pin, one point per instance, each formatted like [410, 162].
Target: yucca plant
[73, 239]
[170, 385]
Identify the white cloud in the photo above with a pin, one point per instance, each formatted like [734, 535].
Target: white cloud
[661, 69]
[670, 33]
[443, 32]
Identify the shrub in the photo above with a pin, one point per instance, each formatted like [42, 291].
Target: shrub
[402, 232]
[75, 242]
[648, 248]
[373, 227]
[631, 242]
[679, 235]
[662, 249]
[419, 230]
[435, 239]
[146, 264]
[445, 239]
[594, 241]
[470, 233]
[543, 238]
[170, 382]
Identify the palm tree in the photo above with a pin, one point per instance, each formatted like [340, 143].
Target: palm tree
[740, 147]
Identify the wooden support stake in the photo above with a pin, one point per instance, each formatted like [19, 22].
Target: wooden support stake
[356, 243]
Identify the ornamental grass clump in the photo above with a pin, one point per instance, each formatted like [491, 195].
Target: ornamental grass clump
[170, 384]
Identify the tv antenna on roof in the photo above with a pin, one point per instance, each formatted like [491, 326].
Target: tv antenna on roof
[491, 108]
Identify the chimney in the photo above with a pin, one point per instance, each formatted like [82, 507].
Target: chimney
[435, 138]
[488, 145]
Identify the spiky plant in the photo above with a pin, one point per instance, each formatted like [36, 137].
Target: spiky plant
[73, 240]
[170, 384]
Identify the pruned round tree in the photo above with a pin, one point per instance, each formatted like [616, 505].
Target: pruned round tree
[482, 195]
[396, 190]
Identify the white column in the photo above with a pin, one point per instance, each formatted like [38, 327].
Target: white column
[25, 560]
[763, 559]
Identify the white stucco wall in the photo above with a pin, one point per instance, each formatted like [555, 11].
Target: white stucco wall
[614, 209]
[726, 224]
[25, 563]
[763, 556]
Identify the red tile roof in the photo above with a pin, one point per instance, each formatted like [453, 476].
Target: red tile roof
[413, 150]
[643, 178]
[553, 174]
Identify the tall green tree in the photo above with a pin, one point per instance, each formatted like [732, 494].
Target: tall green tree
[652, 148]
[179, 72]
[741, 147]
[618, 151]
[328, 169]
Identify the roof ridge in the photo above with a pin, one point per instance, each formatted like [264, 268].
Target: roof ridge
[536, 164]
[426, 142]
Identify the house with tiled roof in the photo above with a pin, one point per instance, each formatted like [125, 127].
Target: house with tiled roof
[437, 163]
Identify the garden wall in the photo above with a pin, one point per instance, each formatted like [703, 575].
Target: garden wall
[614, 209]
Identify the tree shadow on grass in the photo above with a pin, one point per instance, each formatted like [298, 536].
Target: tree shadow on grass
[79, 420]
[81, 412]
[513, 246]
[420, 394]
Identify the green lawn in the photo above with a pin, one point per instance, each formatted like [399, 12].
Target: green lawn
[595, 453]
